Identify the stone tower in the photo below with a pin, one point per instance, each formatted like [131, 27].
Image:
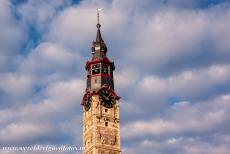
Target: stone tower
[101, 122]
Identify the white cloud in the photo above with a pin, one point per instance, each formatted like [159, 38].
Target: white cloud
[36, 119]
[188, 85]
[49, 57]
[16, 132]
[180, 145]
[73, 29]
[199, 148]
[172, 40]
[219, 33]
[17, 87]
[163, 50]
[167, 35]
[125, 78]
[12, 36]
[40, 13]
[173, 140]
[193, 129]
[61, 98]
[192, 118]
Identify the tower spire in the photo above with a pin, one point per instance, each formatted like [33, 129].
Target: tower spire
[99, 48]
[98, 37]
[98, 15]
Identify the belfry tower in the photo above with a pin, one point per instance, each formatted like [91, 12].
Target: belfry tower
[101, 122]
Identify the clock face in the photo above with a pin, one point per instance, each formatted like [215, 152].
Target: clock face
[107, 99]
[88, 102]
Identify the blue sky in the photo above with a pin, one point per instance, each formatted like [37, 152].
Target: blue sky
[172, 72]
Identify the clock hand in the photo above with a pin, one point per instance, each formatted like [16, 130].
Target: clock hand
[107, 98]
[103, 95]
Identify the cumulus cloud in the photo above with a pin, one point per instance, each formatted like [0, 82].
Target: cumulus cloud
[17, 133]
[42, 117]
[16, 87]
[184, 125]
[174, 40]
[189, 85]
[172, 69]
[12, 36]
[40, 13]
[49, 57]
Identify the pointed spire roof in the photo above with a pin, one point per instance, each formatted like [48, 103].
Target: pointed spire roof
[99, 48]
[99, 37]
